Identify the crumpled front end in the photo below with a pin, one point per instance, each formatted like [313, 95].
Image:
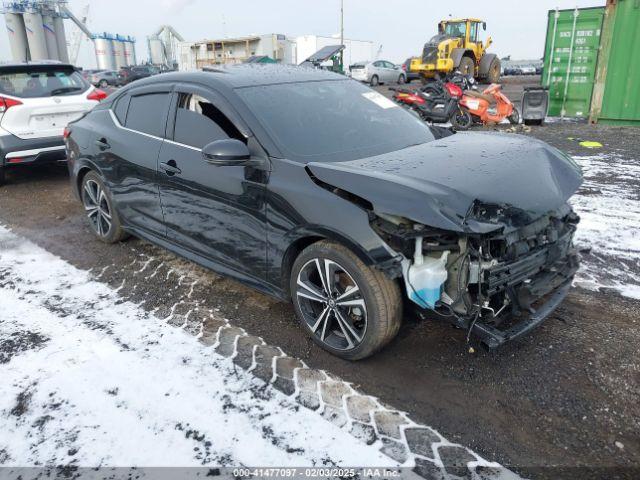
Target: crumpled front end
[499, 285]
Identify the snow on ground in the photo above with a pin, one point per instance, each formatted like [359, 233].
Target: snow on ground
[609, 205]
[87, 379]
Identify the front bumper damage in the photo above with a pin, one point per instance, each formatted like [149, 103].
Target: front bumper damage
[498, 286]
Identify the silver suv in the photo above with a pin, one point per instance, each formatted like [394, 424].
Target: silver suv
[380, 71]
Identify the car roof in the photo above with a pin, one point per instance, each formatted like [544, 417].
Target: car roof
[247, 75]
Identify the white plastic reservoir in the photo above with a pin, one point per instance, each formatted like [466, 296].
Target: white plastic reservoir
[426, 277]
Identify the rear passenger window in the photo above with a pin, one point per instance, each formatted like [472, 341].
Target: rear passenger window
[199, 122]
[148, 113]
[120, 109]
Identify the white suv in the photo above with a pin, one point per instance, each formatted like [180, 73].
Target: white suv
[37, 101]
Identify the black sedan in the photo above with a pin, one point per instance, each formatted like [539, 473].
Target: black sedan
[313, 188]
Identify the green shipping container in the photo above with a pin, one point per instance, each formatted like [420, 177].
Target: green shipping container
[619, 68]
[570, 59]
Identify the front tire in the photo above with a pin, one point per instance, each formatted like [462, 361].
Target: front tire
[103, 84]
[2, 176]
[467, 66]
[348, 308]
[461, 120]
[402, 80]
[103, 218]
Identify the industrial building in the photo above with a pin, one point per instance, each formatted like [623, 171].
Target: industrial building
[36, 32]
[164, 46]
[195, 55]
[114, 51]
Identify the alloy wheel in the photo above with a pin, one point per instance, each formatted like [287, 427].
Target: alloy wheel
[332, 304]
[97, 208]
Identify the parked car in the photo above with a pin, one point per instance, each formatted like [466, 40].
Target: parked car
[105, 78]
[409, 75]
[377, 72]
[131, 74]
[87, 73]
[343, 212]
[37, 100]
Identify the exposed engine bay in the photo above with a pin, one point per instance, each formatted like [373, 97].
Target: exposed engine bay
[482, 281]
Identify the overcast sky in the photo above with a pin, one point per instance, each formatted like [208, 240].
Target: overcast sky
[400, 26]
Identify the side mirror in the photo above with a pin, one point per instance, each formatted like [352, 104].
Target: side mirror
[228, 152]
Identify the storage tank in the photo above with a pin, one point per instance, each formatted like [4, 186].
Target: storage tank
[17, 36]
[118, 52]
[130, 51]
[156, 51]
[104, 52]
[35, 35]
[61, 38]
[50, 35]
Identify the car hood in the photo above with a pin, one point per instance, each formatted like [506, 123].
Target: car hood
[445, 183]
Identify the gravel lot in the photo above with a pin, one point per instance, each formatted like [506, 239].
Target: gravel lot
[566, 396]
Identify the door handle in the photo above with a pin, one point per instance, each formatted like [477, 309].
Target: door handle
[102, 144]
[170, 168]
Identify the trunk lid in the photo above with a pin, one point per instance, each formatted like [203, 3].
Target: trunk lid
[45, 116]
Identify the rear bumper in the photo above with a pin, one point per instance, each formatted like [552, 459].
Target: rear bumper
[19, 151]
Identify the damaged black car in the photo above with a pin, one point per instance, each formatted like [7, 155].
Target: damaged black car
[316, 189]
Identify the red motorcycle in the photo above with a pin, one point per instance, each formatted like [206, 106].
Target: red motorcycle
[436, 103]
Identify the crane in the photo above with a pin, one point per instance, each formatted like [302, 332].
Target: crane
[76, 41]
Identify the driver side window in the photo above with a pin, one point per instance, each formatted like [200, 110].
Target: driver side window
[199, 122]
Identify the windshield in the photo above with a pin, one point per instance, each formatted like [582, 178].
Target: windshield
[333, 120]
[33, 83]
[456, 29]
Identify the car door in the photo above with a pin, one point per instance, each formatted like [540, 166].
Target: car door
[217, 212]
[378, 70]
[128, 154]
[390, 72]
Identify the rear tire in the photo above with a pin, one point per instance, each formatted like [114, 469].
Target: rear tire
[375, 81]
[357, 326]
[103, 84]
[514, 118]
[467, 66]
[103, 217]
[2, 176]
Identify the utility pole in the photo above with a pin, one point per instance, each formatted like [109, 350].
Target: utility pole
[342, 34]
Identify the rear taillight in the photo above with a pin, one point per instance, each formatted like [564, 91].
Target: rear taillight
[97, 95]
[7, 103]
[453, 89]
[66, 132]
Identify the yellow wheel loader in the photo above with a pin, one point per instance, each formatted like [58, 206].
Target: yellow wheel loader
[457, 46]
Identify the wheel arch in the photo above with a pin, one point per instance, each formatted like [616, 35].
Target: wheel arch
[308, 238]
[84, 167]
[457, 54]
